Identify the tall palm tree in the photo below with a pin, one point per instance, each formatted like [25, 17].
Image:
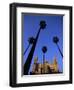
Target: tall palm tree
[56, 40]
[30, 55]
[30, 41]
[44, 50]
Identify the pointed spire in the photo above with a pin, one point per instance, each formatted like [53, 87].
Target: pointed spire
[55, 61]
[35, 59]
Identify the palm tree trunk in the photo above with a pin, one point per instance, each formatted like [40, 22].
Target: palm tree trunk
[43, 63]
[59, 50]
[26, 49]
[30, 55]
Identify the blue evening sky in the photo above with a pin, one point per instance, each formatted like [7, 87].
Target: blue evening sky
[54, 28]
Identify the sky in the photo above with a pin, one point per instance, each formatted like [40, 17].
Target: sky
[53, 28]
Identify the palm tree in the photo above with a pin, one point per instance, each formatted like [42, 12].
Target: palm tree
[30, 41]
[56, 40]
[42, 24]
[44, 50]
[30, 55]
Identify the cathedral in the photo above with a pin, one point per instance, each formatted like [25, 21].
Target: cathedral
[45, 68]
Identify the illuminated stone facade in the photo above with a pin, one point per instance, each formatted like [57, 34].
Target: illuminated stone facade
[45, 68]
